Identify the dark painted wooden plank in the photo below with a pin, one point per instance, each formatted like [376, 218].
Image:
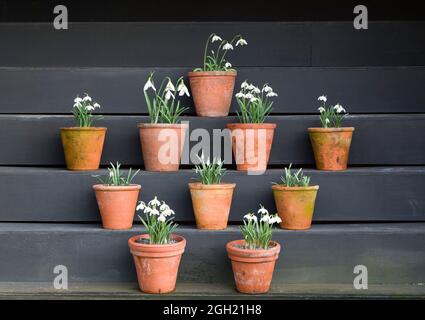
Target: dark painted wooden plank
[181, 44]
[119, 90]
[382, 44]
[378, 139]
[150, 44]
[361, 194]
[194, 10]
[327, 254]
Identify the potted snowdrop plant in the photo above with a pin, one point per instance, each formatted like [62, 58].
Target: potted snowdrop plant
[157, 253]
[252, 138]
[295, 199]
[163, 138]
[83, 143]
[253, 258]
[117, 197]
[212, 85]
[211, 199]
[331, 143]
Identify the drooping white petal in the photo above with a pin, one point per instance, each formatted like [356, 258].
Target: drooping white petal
[154, 202]
[78, 100]
[322, 98]
[228, 65]
[241, 42]
[240, 95]
[244, 85]
[149, 84]
[87, 98]
[89, 108]
[161, 218]
[227, 46]
[96, 105]
[263, 210]
[170, 86]
[216, 38]
[271, 94]
[321, 109]
[141, 206]
[168, 95]
[267, 88]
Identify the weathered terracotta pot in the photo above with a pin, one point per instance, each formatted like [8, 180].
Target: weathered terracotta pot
[157, 265]
[162, 145]
[331, 147]
[212, 92]
[295, 205]
[83, 147]
[251, 143]
[211, 204]
[117, 205]
[252, 269]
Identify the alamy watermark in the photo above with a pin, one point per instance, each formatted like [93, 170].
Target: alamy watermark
[60, 282]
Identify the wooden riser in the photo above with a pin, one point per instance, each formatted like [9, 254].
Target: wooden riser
[326, 254]
[359, 194]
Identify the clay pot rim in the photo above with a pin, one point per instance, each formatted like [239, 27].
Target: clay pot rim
[180, 244]
[229, 73]
[103, 187]
[84, 128]
[254, 253]
[219, 186]
[162, 125]
[285, 188]
[251, 125]
[342, 129]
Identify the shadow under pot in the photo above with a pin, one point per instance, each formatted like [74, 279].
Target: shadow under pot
[211, 204]
[331, 147]
[157, 265]
[212, 92]
[117, 205]
[295, 206]
[162, 145]
[252, 268]
[83, 147]
[251, 144]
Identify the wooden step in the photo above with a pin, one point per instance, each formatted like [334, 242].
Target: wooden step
[327, 254]
[358, 194]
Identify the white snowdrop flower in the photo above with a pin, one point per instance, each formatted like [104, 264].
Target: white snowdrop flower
[250, 217]
[170, 86]
[267, 88]
[78, 100]
[154, 202]
[89, 108]
[141, 206]
[244, 85]
[327, 120]
[263, 210]
[216, 38]
[241, 42]
[275, 219]
[271, 94]
[164, 206]
[227, 46]
[96, 105]
[253, 99]
[265, 218]
[228, 65]
[77, 105]
[183, 90]
[87, 98]
[250, 87]
[161, 218]
[149, 84]
[256, 90]
[168, 212]
[249, 96]
[338, 108]
[240, 95]
[168, 95]
[147, 210]
[321, 109]
[322, 98]
[154, 212]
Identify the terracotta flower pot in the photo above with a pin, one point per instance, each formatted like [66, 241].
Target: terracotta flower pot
[252, 269]
[157, 265]
[295, 205]
[211, 204]
[331, 147]
[162, 145]
[117, 205]
[212, 92]
[83, 147]
[251, 143]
